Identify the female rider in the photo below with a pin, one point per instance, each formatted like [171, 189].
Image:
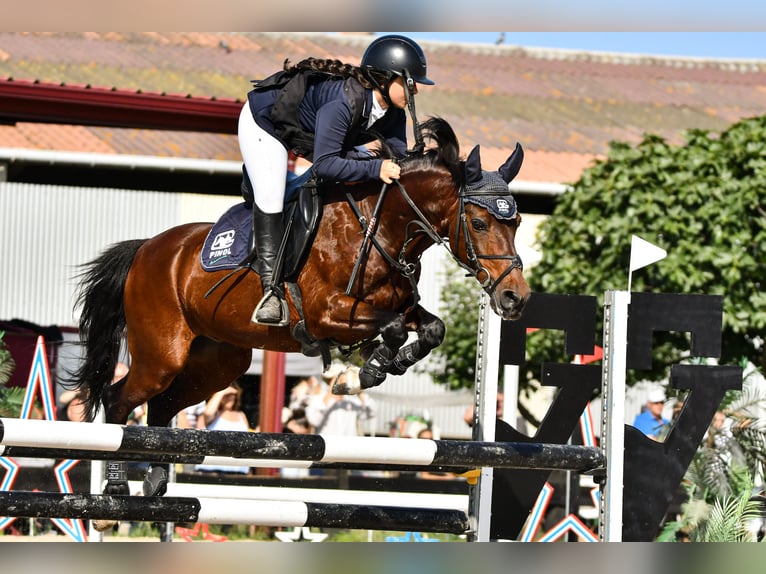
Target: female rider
[323, 115]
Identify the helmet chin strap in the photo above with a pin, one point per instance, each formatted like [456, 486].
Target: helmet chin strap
[409, 96]
[382, 88]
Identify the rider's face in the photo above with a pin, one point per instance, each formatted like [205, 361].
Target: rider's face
[396, 93]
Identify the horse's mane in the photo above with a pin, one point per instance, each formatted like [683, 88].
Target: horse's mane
[445, 150]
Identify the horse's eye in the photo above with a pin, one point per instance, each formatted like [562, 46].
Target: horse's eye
[479, 224]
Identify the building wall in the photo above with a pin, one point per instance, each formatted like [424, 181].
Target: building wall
[48, 231]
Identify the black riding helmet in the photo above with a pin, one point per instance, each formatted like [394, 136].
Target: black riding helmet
[395, 54]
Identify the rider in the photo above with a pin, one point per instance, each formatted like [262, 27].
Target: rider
[323, 110]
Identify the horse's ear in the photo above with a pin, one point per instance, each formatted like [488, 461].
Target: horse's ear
[473, 167]
[512, 165]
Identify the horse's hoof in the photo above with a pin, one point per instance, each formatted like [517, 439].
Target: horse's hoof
[155, 481]
[103, 525]
[350, 385]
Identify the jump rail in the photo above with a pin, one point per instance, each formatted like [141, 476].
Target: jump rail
[152, 441]
[230, 511]
[78, 454]
[317, 495]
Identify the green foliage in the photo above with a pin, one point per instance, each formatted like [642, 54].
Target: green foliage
[719, 518]
[704, 202]
[6, 361]
[10, 399]
[719, 481]
[728, 520]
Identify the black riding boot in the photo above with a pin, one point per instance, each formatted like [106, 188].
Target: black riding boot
[267, 235]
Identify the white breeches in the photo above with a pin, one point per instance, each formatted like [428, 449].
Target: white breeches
[266, 161]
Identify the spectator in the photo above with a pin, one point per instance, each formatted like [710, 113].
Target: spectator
[650, 421]
[71, 407]
[468, 413]
[332, 414]
[294, 415]
[192, 417]
[410, 425]
[223, 412]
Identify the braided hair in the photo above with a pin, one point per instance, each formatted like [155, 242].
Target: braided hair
[367, 78]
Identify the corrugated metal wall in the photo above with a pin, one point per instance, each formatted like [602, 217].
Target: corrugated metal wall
[47, 231]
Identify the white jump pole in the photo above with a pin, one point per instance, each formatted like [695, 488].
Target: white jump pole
[613, 412]
[319, 495]
[485, 414]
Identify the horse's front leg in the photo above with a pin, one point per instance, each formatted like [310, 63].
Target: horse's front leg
[430, 330]
[378, 365]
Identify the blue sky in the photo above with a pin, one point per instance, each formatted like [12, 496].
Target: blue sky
[700, 44]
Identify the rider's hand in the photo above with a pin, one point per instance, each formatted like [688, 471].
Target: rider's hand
[389, 171]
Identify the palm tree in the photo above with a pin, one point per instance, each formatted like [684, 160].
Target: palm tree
[6, 361]
[720, 481]
[10, 399]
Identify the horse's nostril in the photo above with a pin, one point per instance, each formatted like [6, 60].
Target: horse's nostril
[510, 299]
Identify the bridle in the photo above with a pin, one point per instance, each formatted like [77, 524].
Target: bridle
[409, 269]
[476, 268]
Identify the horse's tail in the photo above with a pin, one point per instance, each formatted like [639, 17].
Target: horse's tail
[102, 322]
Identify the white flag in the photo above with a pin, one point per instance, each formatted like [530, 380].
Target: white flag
[643, 253]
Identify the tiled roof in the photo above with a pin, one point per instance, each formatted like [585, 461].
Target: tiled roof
[564, 106]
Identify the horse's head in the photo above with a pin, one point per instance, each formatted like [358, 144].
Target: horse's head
[485, 233]
[475, 209]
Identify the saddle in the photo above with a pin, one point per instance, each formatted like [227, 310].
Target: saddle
[229, 244]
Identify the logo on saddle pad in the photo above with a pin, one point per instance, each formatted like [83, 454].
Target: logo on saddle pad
[228, 241]
[222, 243]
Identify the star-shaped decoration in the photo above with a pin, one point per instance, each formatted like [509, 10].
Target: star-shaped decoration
[300, 533]
[570, 524]
[11, 471]
[40, 380]
[537, 513]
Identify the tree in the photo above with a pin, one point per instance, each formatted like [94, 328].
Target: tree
[704, 202]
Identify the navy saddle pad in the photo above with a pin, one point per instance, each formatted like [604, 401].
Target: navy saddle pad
[228, 242]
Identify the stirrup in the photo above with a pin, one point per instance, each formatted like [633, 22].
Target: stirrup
[284, 310]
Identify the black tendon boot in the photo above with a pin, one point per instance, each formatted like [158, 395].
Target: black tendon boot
[267, 235]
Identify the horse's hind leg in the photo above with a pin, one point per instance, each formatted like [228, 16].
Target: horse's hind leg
[430, 330]
[211, 367]
[153, 368]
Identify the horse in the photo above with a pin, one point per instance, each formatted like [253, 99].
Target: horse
[189, 332]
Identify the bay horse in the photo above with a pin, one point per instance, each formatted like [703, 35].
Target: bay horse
[189, 334]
